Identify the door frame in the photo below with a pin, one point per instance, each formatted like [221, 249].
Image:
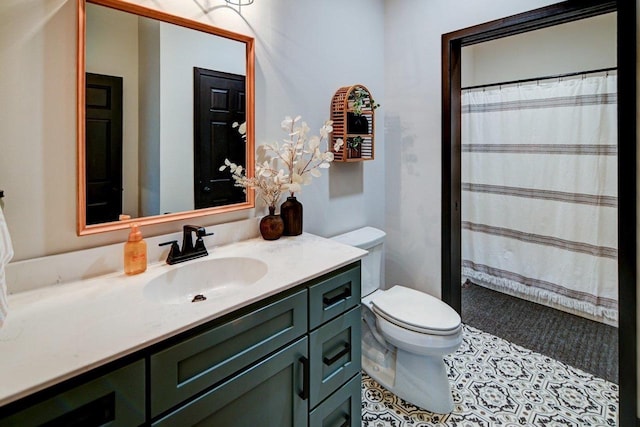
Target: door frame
[555, 14]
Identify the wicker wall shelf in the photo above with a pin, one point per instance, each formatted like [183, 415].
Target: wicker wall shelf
[355, 125]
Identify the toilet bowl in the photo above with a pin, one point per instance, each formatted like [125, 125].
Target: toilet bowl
[406, 333]
[415, 321]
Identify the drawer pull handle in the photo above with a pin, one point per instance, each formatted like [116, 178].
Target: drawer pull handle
[331, 360]
[347, 421]
[334, 299]
[306, 377]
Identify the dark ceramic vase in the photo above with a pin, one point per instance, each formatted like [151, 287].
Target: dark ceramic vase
[291, 213]
[357, 123]
[271, 226]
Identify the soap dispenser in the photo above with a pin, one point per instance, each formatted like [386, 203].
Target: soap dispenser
[135, 252]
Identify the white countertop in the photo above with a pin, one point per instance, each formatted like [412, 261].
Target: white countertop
[57, 332]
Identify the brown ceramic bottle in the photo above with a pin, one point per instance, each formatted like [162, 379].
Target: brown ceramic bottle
[291, 213]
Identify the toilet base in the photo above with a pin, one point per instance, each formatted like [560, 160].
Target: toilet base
[420, 380]
[423, 381]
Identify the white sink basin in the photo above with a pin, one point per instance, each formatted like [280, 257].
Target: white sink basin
[211, 279]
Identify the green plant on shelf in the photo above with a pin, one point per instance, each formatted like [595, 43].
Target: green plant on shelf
[360, 98]
[354, 142]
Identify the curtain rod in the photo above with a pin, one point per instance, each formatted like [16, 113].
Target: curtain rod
[533, 79]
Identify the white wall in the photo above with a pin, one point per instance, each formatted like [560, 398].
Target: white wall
[115, 34]
[149, 92]
[587, 44]
[302, 55]
[182, 49]
[413, 30]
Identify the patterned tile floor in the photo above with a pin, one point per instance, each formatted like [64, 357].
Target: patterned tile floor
[497, 383]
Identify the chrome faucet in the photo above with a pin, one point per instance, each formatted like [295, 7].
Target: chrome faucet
[189, 249]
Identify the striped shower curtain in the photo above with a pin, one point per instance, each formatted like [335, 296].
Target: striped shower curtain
[539, 192]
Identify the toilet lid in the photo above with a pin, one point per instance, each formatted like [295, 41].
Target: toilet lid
[416, 311]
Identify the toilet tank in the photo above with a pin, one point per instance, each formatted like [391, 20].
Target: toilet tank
[370, 239]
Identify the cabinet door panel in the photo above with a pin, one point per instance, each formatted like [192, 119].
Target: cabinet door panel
[115, 399]
[335, 353]
[342, 409]
[333, 296]
[266, 395]
[196, 364]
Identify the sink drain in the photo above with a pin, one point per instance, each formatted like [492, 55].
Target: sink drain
[198, 298]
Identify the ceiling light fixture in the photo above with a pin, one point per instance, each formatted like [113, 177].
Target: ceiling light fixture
[240, 2]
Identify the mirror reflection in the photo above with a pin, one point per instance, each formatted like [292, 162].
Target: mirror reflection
[160, 103]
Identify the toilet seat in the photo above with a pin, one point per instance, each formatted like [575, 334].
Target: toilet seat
[416, 311]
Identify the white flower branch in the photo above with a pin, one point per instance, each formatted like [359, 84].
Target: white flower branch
[300, 156]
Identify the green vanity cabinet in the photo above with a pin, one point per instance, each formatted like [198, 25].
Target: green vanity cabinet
[270, 393]
[292, 359]
[195, 364]
[342, 409]
[333, 295]
[115, 399]
[334, 351]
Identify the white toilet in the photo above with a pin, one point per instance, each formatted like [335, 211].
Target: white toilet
[405, 332]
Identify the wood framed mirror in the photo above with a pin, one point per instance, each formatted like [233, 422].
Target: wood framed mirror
[159, 101]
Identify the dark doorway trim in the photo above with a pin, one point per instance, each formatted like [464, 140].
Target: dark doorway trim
[559, 13]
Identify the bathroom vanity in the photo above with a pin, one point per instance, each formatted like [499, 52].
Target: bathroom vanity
[282, 351]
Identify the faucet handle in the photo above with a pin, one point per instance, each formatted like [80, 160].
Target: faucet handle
[174, 251]
[200, 233]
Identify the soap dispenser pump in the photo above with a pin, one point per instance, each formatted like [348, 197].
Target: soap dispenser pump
[135, 252]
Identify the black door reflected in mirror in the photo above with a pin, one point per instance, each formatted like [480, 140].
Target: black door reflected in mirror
[219, 102]
[103, 154]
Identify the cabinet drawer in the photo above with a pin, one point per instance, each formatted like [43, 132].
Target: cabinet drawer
[342, 409]
[268, 394]
[333, 296]
[195, 364]
[334, 351]
[115, 399]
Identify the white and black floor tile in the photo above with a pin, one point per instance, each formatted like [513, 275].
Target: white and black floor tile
[497, 383]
